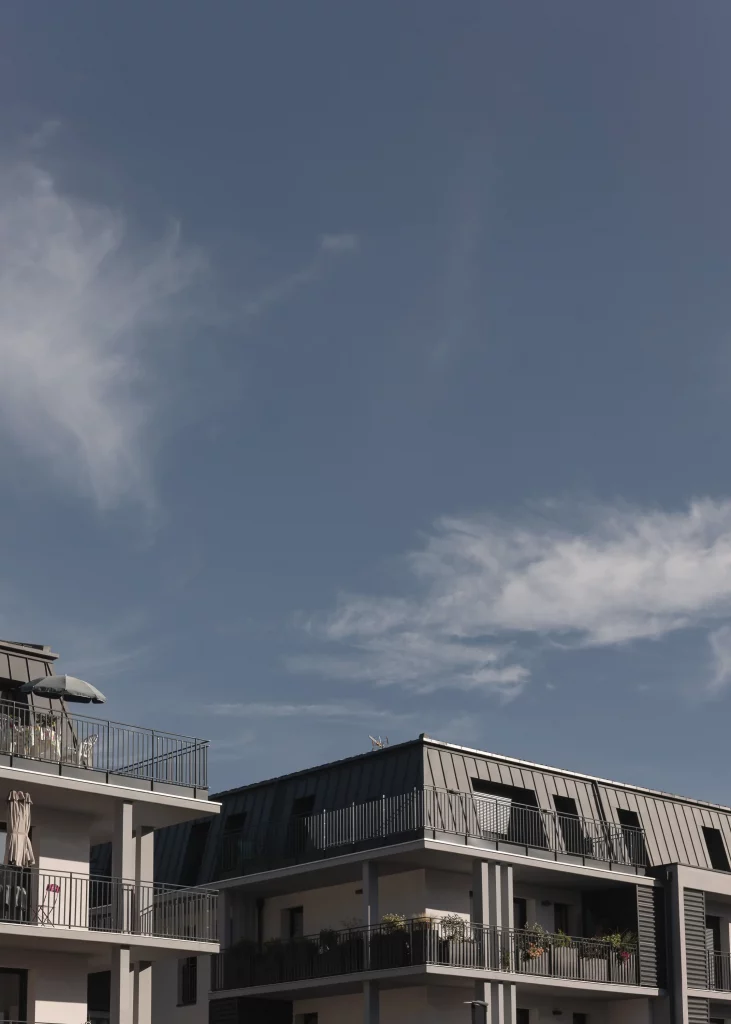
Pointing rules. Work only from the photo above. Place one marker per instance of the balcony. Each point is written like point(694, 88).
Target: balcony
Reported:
point(65, 900)
point(122, 753)
point(434, 813)
point(423, 942)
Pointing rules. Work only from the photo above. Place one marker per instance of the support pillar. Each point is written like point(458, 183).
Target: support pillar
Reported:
point(371, 1003)
point(123, 866)
point(142, 993)
point(144, 877)
point(501, 1001)
point(370, 893)
point(120, 1003)
point(370, 909)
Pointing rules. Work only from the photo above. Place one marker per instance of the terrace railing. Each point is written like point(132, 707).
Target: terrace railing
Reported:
point(66, 900)
point(60, 737)
point(421, 942)
point(719, 971)
point(433, 811)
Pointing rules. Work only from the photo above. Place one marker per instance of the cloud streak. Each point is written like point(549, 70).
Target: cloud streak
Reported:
point(483, 591)
point(77, 300)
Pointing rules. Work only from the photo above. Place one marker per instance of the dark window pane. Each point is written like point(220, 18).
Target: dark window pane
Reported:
point(716, 849)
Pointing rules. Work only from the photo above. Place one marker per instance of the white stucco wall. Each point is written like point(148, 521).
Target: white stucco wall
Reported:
point(56, 983)
point(340, 906)
point(165, 993)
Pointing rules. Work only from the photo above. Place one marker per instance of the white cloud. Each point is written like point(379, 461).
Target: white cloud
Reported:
point(344, 712)
point(339, 243)
point(615, 575)
point(76, 300)
point(720, 643)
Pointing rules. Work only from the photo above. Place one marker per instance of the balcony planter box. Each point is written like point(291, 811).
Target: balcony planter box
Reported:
point(390, 949)
point(565, 962)
point(539, 963)
point(624, 972)
point(426, 946)
point(352, 954)
point(595, 968)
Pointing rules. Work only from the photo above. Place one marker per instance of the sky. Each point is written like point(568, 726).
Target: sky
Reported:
point(365, 369)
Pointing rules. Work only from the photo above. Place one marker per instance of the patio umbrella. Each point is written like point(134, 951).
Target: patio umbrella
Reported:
point(18, 850)
point(66, 688)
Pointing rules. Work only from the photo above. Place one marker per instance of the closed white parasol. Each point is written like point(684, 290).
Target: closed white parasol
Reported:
point(18, 850)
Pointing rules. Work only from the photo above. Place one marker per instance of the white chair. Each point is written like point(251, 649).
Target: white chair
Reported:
point(85, 751)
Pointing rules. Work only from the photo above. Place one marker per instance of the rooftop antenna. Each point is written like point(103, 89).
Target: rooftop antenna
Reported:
point(377, 743)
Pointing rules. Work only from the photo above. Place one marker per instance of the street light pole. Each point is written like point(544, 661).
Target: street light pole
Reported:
point(479, 1011)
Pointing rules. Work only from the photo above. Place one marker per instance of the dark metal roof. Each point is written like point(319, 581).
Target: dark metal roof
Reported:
point(21, 662)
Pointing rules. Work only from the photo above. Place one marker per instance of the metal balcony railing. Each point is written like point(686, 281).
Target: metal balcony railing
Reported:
point(60, 737)
point(434, 811)
point(420, 942)
point(719, 971)
point(67, 900)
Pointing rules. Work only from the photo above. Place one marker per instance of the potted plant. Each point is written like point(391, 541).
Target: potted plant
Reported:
point(534, 944)
point(623, 962)
point(564, 956)
point(457, 946)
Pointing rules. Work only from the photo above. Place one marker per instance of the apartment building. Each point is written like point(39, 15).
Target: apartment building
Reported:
point(68, 783)
point(428, 882)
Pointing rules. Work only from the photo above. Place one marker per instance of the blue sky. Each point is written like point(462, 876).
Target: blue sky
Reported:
point(366, 369)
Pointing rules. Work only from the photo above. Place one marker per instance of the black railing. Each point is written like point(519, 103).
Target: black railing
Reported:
point(60, 899)
point(420, 942)
point(434, 811)
point(719, 971)
point(63, 738)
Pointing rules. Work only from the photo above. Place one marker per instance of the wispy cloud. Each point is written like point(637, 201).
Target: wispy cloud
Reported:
point(338, 712)
point(482, 587)
point(76, 301)
point(329, 248)
point(340, 243)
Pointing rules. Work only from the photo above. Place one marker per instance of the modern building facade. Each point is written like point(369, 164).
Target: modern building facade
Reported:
point(402, 885)
point(70, 936)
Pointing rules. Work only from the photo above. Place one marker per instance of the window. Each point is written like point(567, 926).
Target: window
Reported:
point(234, 822)
point(520, 912)
point(188, 981)
point(569, 822)
point(293, 920)
point(522, 1017)
point(302, 806)
point(634, 837)
point(512, 814)
point(581, 1018)
point(716, 849)
point(561, 918)
point(305, 1018)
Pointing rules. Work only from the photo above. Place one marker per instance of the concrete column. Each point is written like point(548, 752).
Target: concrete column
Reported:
point(506, 895)
point(120, 1005)
point(480, 895)
point(123, 866)
point(142, 993)
point(371, 1003)
point(370, 907)
point(500, 999)
point(370, 893)
point(677, 973)
point(144, 876)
